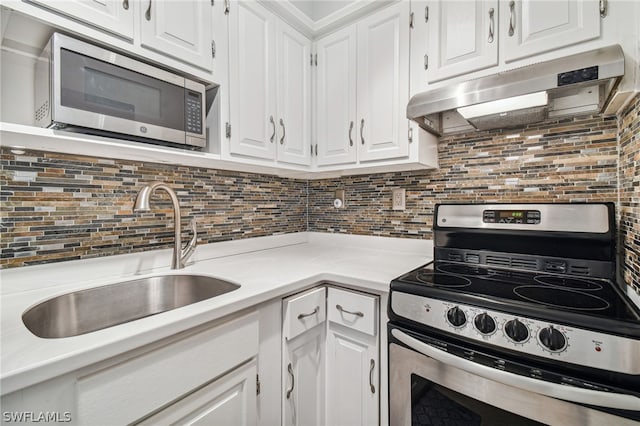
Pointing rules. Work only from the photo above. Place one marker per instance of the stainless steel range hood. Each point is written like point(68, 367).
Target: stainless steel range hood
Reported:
point(573, 85)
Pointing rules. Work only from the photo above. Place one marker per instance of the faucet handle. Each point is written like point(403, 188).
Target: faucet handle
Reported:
point(188, 250)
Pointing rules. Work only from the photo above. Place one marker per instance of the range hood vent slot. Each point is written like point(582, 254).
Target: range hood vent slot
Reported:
point(574, 85)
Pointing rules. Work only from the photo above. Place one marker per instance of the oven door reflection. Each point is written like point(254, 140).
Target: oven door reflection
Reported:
point(435, 405)
point(423, 391)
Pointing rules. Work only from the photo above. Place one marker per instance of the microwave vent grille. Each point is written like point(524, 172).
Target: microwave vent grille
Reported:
point(43, 111)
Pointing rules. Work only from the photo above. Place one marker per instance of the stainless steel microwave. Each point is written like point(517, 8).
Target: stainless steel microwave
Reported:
point(89, 89)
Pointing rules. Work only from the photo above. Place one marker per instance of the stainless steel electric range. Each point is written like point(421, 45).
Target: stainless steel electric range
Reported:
point(518, 321)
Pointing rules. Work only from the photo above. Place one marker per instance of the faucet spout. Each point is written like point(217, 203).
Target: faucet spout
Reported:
point(180, 256)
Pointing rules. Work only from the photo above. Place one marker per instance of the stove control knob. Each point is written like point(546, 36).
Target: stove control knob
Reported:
point(516, 330)
point(552, 339)
point(484, 323)
point(456, 317)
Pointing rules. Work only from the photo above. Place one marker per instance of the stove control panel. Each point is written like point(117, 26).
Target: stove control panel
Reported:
point(530, 217)
point(526, 335)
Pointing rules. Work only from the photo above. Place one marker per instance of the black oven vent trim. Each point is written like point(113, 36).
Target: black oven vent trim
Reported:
point(524, 262)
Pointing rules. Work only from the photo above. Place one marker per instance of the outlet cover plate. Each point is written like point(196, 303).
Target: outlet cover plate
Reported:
point(398, 199)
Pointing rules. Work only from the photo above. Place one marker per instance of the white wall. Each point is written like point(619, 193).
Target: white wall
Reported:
point(17, 73)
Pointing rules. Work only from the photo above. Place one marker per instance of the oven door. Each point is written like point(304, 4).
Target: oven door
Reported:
point(429, 386)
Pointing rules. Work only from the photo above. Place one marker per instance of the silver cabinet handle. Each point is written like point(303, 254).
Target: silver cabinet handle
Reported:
point(603, 8)
point(283, 132)
point(361, 130)
point(226, 7)
point(293, 378)
point(147, 14)
point(512, 18)
point(315, 311)
point(491, 23)
point(125, 4)
point(373, 365)
point(356, 313)
point(350, 130)
point(273, 123)
point(426, 14)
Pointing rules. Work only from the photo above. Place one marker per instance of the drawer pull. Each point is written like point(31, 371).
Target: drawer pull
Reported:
point(290, 370)
point(357, 313)
point(147, 14)
point(373, 365)
point(512, 18)
point(315, 311)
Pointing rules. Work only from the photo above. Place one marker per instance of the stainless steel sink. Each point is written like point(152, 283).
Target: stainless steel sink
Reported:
point(96, 308)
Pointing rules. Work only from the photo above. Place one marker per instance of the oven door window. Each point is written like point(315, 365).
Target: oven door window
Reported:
point(435, 405)
point(99, 87)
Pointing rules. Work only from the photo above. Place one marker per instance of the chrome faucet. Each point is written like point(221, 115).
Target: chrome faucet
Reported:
point(180, 255)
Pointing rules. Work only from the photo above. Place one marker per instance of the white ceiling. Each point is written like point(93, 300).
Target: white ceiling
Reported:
point(318, 9)
point(315, 18)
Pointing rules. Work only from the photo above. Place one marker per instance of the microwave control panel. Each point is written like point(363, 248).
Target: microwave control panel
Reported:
point(193, 113)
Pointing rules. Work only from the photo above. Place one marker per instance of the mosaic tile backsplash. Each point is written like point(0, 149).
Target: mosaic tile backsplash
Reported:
point(629, 209)
point(59, 207)
point(566, 160)
point(570, 160)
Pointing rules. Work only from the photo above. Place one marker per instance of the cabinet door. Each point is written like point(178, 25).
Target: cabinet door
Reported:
point(383, 84)
point(530, 27)
point(230, 400)
point(352, 358)
point(252, 83)
point(294, 96)
point(303, 378)
point(463, 37)
point(419, 47)
point(352, 375)
point(181, 29)
point(336, 98)
point(115, 16)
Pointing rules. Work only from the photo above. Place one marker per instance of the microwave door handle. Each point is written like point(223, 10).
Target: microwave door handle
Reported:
point(554, 390)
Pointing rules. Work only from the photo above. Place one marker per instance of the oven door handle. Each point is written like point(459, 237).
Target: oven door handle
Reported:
point(567, 393)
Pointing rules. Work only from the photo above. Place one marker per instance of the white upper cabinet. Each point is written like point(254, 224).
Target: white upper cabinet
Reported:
point(270, 86)
point(531, 27)
point(251, 80)
point(294, 96)
point(181, 29)
point(115, 16)
point(363, 89)
point(462, 37)
point(336, 98)
point(383, 84)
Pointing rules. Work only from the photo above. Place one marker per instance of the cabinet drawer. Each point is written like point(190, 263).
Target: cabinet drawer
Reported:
point(354, 310)
point(129, 390)
point(303, 312)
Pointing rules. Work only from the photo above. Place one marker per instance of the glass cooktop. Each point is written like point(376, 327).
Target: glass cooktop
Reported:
point(582, 295)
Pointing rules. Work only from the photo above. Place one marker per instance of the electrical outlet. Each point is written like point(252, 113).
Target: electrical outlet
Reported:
point(398, 197)
point(339, 200)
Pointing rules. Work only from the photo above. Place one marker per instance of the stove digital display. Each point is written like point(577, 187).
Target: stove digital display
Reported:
point(511, 213)
point(529, 217)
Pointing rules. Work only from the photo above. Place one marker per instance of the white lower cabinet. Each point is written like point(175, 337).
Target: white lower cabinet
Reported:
point(230, 400)
point(303, 354)
point(206, 375)
point(303, 360)
point(330, 370)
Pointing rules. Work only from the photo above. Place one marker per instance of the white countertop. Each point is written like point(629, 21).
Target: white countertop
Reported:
point(265, 267)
